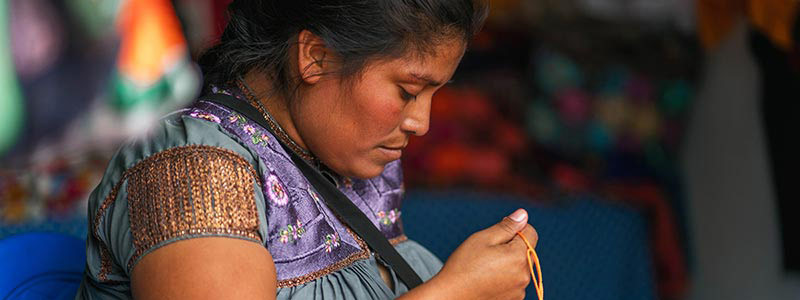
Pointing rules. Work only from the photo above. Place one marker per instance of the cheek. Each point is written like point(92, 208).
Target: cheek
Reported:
point(379, 113)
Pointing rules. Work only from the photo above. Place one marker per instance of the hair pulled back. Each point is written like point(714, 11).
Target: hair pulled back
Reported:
point(259, 33)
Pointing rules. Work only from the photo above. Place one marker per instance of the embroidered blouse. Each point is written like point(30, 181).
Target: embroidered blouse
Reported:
point(209, 171)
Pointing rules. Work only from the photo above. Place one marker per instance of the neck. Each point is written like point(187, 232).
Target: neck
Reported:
point(275, 104)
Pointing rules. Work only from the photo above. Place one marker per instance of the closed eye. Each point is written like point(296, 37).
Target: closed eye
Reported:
point(406, 95)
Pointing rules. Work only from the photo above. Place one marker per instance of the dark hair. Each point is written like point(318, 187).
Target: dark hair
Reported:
point(259, 33)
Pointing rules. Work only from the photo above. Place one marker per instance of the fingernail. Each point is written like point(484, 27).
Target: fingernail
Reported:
point(518, 215)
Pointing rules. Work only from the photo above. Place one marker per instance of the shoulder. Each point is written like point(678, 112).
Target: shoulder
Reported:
point(188, 128)
point(187, 178)
point(179, 146)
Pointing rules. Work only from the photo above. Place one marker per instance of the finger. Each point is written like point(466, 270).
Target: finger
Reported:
point(530, 234)
point(507, 228)
point(517, 244)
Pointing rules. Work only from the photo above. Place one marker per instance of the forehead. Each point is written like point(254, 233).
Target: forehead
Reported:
point(436, 65)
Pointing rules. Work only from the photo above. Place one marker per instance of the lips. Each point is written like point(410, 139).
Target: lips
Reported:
point(394, 147)
point(395, 144)
point(392, 153)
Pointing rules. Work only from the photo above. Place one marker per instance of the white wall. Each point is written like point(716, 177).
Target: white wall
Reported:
point(732, 212)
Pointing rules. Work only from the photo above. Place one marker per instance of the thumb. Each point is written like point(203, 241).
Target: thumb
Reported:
point(505, 231)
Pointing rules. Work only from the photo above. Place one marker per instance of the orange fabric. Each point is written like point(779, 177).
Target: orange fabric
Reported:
point(775, 18)
point(151, 39)
point(716, 18)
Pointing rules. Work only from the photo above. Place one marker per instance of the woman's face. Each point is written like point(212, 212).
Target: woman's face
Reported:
point(357, 127)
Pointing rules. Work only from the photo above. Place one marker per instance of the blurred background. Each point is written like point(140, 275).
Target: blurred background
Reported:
point(649, 139)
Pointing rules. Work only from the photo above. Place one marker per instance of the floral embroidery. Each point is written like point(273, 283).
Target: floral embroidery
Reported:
point(256, 136)
point(249, 129)
point(237, 118)
point(258, 139)
point(388, 218)
point(331, 241)
point(204, 116)
point(276, 191)
point(292, 233)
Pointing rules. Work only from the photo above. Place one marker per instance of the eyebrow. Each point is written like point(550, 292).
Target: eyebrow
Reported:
point(426, 78)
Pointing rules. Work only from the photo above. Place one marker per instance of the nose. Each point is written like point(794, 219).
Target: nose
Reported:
point(417, 116)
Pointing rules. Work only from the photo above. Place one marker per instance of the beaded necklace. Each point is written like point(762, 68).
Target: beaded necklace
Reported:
point(276, 128)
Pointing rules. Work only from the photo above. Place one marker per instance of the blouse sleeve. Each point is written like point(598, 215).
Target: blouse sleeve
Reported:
point(188, 180)
point(190, 191)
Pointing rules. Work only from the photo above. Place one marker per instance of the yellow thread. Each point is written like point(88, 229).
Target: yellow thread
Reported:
point(537, 280)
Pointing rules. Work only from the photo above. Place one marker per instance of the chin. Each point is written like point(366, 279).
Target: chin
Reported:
point(366, 171)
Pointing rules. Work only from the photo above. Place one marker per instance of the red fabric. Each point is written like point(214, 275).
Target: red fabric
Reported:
point(670, 263)
point(220, 8)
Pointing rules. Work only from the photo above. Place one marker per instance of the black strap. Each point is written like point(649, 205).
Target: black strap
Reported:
point(338, 202)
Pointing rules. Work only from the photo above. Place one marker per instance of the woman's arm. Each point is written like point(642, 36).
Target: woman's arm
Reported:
point(491, 264)
point(206, 268)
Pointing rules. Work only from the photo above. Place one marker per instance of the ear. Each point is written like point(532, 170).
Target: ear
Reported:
point(311, 57)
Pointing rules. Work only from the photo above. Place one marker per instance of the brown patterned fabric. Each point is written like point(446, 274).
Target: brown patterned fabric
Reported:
point(105, 256)
point(190, 190)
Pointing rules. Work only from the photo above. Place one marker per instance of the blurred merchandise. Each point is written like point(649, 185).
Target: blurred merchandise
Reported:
point(774, 18)
point(154, 72)
point(593, 103)
point(84, 66)
point(86, 76)
point(11, 107)
point(56, 190)
point(779, 69)
point(203, 21)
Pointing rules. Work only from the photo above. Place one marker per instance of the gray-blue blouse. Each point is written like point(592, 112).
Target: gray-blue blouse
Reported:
point(209, 171)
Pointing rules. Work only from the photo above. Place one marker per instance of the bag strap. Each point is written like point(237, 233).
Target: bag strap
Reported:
point(338, 202)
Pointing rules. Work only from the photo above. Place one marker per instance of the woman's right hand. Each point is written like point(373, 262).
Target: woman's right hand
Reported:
point(490, 264)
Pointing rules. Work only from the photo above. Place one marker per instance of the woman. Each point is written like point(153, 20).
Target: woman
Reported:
point(210, 206)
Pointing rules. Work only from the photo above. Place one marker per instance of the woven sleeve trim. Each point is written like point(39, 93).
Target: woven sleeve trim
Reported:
point(188, 191)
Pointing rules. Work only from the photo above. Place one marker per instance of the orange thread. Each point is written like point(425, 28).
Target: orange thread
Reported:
point(537, 280)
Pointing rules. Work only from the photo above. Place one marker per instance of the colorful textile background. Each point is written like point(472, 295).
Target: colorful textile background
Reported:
point(560, 99)
point(555, 100)
point(80, 77)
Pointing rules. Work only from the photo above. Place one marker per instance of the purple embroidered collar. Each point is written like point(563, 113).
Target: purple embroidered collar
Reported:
point(305, 239)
